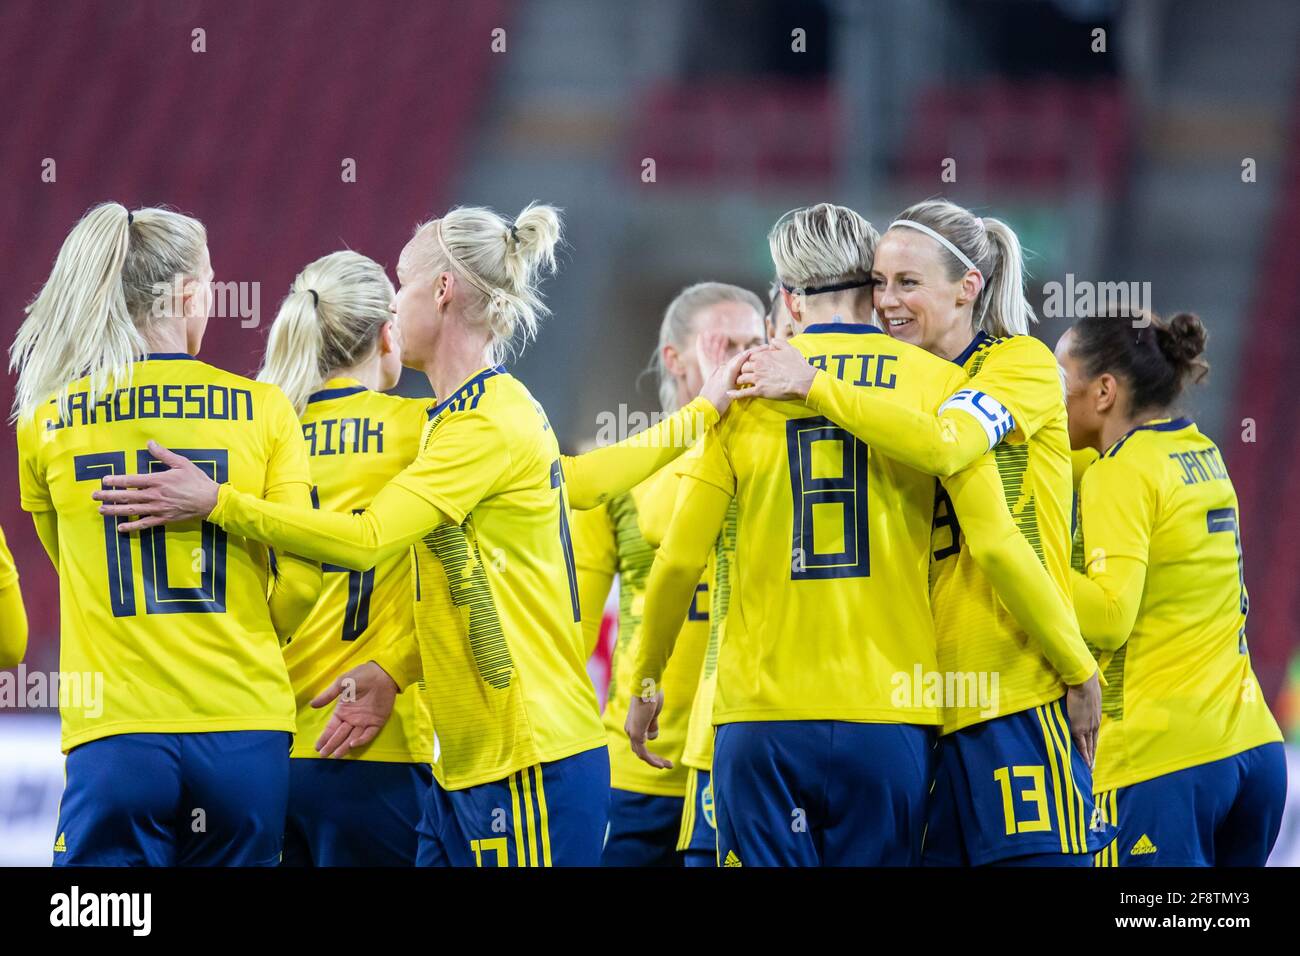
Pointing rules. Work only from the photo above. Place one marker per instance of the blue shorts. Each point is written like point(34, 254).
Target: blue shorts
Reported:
point(1011, 787)
point(549, 814)
point(698, 839)
point(193, 799)
point(1223, 813)
point(353, 812)
point(821, 792)
point(642, 830)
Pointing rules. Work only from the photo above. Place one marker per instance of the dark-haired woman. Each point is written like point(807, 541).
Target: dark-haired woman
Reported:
point(1189, 761)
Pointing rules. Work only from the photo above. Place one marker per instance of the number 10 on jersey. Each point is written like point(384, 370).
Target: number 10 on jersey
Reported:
point(209, 597)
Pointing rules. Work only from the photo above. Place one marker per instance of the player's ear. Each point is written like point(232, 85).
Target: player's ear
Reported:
point(387, 337)
point(1107, 392)
point(672, 360)
point(444, 287)
point(793, 304)
point(969, 288)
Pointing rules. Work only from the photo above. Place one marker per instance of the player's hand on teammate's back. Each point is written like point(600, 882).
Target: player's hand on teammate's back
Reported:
point(642, 725)
point(181, 493)
point(365, 695)
point(777, 371)
point(1083, 703)
point(717, 387)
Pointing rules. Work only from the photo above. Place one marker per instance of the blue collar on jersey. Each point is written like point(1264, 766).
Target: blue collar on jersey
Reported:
point(168, 356)
point(325, 394)
point(1173, 425)
point(850, 328)
point(478, 379)
point(980, 338)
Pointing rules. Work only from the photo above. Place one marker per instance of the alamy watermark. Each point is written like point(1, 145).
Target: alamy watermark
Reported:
point(620, 425)
point(68, 690)
point(230, 300)
point(1080, 298)
point(947, 689)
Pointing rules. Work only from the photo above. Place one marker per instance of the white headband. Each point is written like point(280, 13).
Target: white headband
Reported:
point(961, 256)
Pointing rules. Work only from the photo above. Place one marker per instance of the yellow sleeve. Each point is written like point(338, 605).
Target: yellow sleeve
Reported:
point(1021, 374)
point(710, 464)
point(595, 477)
point(936, 444)
point(8, 570)
point(13, 616)
point(297, 582)
point(394, 521)
point(47, 529)
point(33, 490)
point(1117, 506)
point(399, 656)
point(595, 557)
point(465, 459)
point(1020, 579)
point(13, 626)
point(698, 515)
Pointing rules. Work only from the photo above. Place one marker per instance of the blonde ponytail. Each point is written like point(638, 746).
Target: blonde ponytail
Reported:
point(501, 262)
point(331, 319)
point(1001, 308)
point(1005, 311)
point(92, 315)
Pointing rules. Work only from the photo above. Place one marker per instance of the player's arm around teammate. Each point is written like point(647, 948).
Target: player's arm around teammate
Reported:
point(486, 495)
point(953, 283)
point(954, 442)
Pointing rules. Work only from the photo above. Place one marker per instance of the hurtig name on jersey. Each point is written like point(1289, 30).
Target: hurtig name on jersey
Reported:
point(870, 369)
point(198, 401)
point(341, 436)
point(1200, 465)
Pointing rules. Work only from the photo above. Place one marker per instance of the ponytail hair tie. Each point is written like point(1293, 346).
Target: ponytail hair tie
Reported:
point(130, 217)
point(315, 299)
point(514, 234)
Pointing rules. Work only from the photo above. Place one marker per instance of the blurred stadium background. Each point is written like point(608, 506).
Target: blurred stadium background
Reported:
point(1122, 165)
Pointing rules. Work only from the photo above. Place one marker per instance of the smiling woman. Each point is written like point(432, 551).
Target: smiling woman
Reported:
point(945, 279)
point(486, 502)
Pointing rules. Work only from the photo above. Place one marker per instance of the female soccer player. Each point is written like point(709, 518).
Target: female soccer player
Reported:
point(1190, 763)
point(333, 350)
point(1010, 788)
point(826, 699)
point(520, 760)
point(13, 616)
point(183, 757)
point(704, 326)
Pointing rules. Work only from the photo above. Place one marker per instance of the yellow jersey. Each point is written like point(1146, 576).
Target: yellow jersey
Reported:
point(612, 540)
point(976, 633)
point(175, 618)
point(1180, 690)
point(8, 570)
point(496, 604)
point(357, 440)
point(698, 752)
point(13, 615)
point(828, 609)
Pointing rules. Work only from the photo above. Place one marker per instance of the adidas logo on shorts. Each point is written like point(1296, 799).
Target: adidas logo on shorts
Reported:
point(1143, 846)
